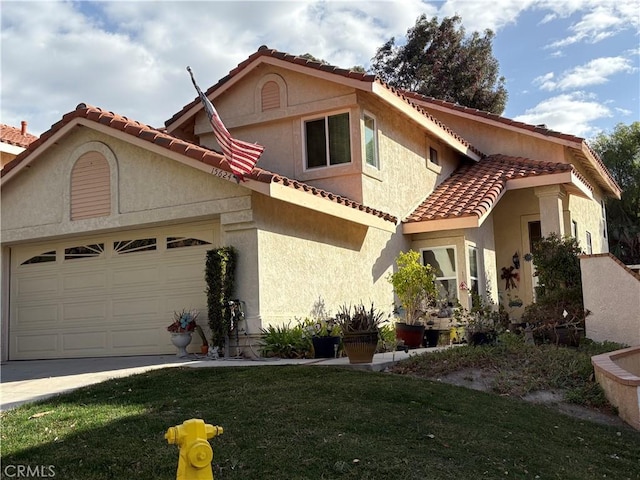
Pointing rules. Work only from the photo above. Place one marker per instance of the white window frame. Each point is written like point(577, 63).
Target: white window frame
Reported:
point(478, 268)
point(376, 160)
point(328, 156)
point(589, 243)
point(448, 278)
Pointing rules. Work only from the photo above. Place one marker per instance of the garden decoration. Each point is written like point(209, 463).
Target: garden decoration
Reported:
point(196, 453)
point(325, 337)
point(184, 324)
point(510, 277)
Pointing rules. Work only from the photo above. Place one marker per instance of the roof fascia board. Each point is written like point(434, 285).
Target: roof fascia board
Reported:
point(394, 100)
point(550, 179)
point(264, 59)
point(613, 188)
point(580, 145)
point(303, 199)
point(9, 148)
point(42, 148)
point(471, 221)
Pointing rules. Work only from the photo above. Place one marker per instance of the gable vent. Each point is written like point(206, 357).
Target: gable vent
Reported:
point(90, 187)
point(270, 96)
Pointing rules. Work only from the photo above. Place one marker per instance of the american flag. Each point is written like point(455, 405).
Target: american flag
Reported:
point(241, 156)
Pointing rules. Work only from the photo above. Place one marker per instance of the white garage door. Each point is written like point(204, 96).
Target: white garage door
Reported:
point(106, 295)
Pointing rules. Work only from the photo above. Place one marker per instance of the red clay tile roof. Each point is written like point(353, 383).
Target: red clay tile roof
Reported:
point(265, 51)
point(14, 136)
point(541, 129)
point(191, 150)
point(473, 189)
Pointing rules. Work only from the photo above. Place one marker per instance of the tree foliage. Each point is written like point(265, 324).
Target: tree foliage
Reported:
point(620, 152)
point(440, 61)
point(414, 284)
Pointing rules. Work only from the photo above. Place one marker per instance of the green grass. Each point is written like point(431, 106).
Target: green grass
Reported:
point(311, 422)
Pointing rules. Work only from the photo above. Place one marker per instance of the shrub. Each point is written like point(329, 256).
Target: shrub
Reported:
point(285, 341)
point(414, 284)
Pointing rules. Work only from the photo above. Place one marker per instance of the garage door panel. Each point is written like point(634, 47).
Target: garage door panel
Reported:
point(138, 338)
point(37, 285)
point(75, 282)
point(36, 346)
point(136, 305)
point(127, 276)
point(37, 316)
point(83, 314)
point(84, 341)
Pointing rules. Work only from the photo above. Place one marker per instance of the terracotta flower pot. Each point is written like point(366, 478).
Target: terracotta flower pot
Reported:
point(360, 346)
point(411, 335)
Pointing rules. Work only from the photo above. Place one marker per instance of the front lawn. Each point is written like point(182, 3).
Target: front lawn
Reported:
point(311, 422)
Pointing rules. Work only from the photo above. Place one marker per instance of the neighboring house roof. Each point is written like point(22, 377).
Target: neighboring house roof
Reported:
point(466, 197)
point(263, 181)
point(18, 137)
point(358, 80)
point(578, 146)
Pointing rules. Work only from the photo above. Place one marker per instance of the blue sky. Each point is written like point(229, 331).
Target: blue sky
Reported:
point(570, 64)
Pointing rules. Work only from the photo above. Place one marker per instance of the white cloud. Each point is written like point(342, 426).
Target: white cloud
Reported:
point(568, 113)
point(595, 72)
point(600, 19)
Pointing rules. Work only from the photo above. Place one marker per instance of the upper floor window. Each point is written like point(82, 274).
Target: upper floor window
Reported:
point(433, 156)
point(370, 141)
point(589, 244)
point(327, 141)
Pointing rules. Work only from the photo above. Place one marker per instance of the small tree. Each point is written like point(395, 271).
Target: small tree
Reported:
point(414, 284)
point(559, 291)
point(220, 278)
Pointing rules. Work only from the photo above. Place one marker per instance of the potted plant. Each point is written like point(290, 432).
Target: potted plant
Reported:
point(184, 324)
point(325, 337)
point(360, 329)
point(414, 285)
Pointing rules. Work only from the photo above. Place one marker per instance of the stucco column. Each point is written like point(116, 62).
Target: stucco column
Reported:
point(240, 231)
point(551, 211)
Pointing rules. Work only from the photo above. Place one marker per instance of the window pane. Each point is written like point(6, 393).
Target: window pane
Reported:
point(42, 258)
point(180, 242)
point(316, 144)
point(473, 263)
point(131, 246)
point(84, 251)
point(442, 260)
point(370, 141)
point(339, 142)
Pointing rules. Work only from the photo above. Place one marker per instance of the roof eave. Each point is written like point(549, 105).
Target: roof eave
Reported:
point(396, 101)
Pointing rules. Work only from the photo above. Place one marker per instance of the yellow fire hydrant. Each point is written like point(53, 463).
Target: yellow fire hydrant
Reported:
point(195, 452)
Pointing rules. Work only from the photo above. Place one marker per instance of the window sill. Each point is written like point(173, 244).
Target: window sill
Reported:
point(433, 167)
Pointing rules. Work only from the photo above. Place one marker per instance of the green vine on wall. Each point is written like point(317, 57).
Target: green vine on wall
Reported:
point(220, 278)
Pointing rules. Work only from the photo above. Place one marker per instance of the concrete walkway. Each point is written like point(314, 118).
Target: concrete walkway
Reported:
point(27, 381)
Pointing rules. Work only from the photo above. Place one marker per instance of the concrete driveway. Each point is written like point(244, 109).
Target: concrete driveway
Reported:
point(27, 381)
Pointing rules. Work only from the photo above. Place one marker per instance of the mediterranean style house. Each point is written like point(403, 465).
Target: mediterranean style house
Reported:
point(106, 222)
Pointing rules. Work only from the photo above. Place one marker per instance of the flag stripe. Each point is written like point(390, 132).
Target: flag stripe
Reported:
point(241, 156)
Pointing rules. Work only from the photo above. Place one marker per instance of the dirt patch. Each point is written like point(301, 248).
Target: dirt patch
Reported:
point(482, 380)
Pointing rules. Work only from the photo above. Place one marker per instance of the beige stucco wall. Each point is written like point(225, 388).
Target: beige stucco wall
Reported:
point(612, 294)
point(403, 179)
point(146, 189)
point(308, 255)
point(490, 139)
